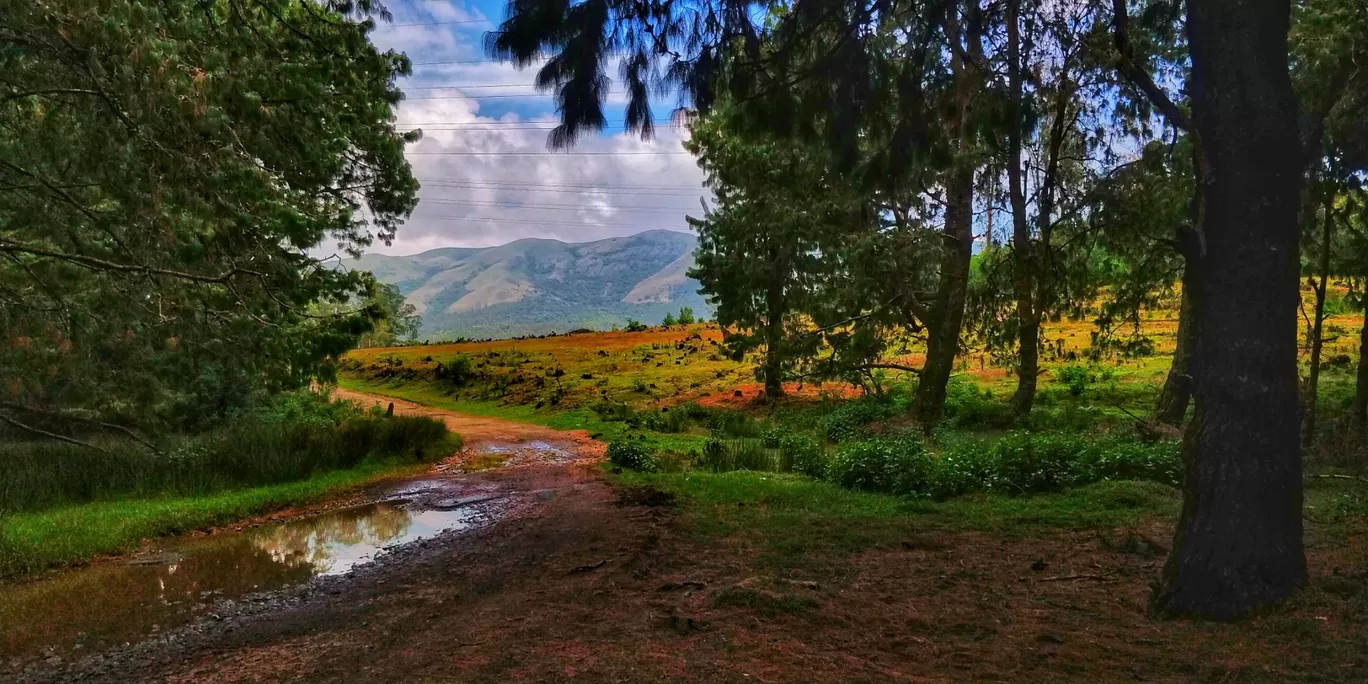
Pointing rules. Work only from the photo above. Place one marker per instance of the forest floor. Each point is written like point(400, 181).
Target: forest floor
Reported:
point(753, 577)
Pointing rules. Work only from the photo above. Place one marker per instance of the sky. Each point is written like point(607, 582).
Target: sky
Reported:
point(488, 177)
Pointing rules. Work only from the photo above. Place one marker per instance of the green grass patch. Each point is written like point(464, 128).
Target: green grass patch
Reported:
point(31, 542)
point(799, 522)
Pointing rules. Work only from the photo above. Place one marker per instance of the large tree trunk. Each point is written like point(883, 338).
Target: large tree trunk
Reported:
point(1318, 326)
point(1238, 545)
point(1177, 391)
point(947, 315)
point(1359, 410)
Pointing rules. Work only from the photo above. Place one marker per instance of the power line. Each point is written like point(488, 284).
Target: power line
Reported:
point(515, 205)
point(555, 185)
point(438, 23)
point(511, 123)
point(552, 154)
point(491, 97)
point(483, 219)
point(685, 194)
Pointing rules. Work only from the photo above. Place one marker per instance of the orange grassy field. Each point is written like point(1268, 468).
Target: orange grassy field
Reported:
point(666, 366)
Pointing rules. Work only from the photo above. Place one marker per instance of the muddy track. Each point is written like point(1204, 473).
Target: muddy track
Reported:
point(414, 586)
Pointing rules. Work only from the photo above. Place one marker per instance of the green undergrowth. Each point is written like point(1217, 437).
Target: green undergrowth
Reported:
point(292, 439)
point(31, 542)
point(797, 521)
point(61, 503)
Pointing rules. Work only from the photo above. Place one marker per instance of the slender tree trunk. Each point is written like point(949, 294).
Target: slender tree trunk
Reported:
point(1238, 544)
point(1024, 266)
point(1177, 391)
point(1318, 326)
point(1359, 410)
point(774, 328)
point(947, 316)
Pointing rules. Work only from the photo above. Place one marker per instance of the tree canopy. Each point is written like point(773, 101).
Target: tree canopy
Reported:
point(170, 174)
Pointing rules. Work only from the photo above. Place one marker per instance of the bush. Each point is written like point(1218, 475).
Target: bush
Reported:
point(1076, 377)
point(899, 465)
point(848, 420)
point(635, 326)
point(252, 451)
point(686, 316)
point(633, 452)
point(612, 411)
point(805, 455)
point(456, 372)
point(1041, 462)
point(725, 455)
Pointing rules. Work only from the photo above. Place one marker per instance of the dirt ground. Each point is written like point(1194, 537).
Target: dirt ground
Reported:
point(597, 583)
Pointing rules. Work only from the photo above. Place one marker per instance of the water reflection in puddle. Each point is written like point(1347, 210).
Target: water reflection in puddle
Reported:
point(114, 603)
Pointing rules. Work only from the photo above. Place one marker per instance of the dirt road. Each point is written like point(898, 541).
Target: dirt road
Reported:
point(474, 430)
point(580, 580)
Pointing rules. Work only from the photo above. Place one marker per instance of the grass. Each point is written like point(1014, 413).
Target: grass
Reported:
point(796, 519)
point(31, 542)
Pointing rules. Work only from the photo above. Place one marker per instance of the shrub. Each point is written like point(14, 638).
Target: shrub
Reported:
point(848, 420)
point(635, 326)
point(1076, 377)
point(613, 411)
point(686, 316)
point(1040, 462)
point(725, 455)
point(633, 452)
point(456, 372)
point(967, 406)
point(899, 465)
point(251, 451)
point(804, 455)
point(1128, 460)
point(733, 424)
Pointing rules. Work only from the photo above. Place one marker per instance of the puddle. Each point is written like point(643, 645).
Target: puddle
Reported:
point(526, 453)
point(113, 603)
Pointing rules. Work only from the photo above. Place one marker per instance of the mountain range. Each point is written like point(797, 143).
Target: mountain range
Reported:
point(536, 286)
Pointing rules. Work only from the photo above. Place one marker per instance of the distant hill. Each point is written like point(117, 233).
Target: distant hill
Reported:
point(535, 286)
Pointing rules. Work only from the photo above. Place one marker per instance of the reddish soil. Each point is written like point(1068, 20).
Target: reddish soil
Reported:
point(600, 584)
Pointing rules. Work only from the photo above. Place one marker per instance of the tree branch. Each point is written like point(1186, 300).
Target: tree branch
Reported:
point(1129, 68)
point(49, 435)
point(103, 265)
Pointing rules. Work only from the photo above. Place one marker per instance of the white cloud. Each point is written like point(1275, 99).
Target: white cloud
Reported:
point(489, 199)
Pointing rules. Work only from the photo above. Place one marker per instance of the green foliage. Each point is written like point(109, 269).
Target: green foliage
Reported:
point(668, 321)
point(848, 420)
point(293, 439)
point(686, 316)
point(455, 372)
point(1076, 377)
point(169, 170)
point(893, 465)
point(636, 326)
point(632, 451)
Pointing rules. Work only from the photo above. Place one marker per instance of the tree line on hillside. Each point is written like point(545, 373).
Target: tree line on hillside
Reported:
point(1111, 151)
point(169, 173)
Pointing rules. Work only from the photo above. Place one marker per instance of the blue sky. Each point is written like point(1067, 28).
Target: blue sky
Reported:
point(488, 177)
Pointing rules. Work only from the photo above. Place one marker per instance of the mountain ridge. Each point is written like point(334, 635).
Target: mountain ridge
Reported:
point(534, 286)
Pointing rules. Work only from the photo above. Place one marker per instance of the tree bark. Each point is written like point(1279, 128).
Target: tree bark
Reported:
point(947, 315)
point(774, 327)
point(1359, 410)
point(1177, 391)
point(1318, 325)
point(1023, 267)
point(1238, 544)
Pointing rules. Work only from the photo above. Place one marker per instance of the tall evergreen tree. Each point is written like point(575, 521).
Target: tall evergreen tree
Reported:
point(165, 171)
